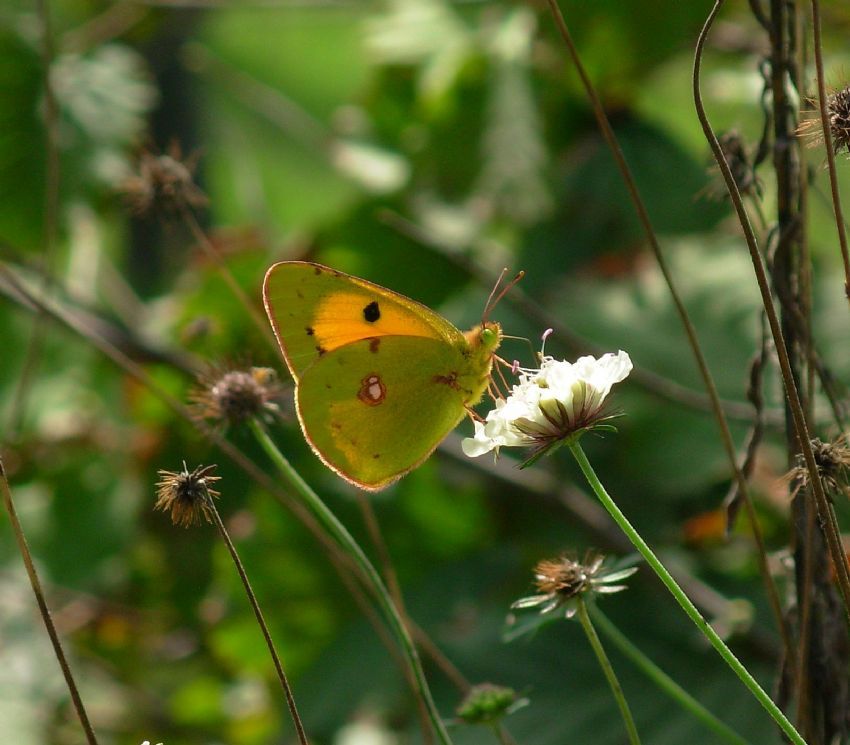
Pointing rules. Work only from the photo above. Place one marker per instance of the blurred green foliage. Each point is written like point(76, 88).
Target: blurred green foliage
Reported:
point(404, 141)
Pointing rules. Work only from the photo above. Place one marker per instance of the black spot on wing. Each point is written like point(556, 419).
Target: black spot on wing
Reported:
point(320, 349)
point(310, 331)
point(372, 312)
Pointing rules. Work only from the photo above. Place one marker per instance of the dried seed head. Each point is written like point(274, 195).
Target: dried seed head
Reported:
point(838, 114)
point(186, 494)
point(234, 396)
point(565, 577)
point(163, 183)
point(561, 581)
point(838, 108)
point(833, 461)
point(487, 703)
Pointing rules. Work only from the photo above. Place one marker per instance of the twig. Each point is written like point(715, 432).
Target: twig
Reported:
point(212, 253)
point(35, 583)
point(827, 140)
point(258, 614)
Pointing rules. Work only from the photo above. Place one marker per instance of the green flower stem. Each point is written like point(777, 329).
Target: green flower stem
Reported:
point(338, 531)
point(605, 664)
point(683, 600)
point(662, 680)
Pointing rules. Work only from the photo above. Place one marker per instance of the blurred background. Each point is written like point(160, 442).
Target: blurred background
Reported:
point(424, 145)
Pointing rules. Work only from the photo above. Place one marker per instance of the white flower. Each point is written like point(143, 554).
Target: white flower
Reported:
point(549, 405)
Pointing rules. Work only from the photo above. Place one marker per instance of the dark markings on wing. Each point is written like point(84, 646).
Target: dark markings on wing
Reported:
point(310, 330)
point(372, 312)
point(450, 380)
point(320, 349)
point(374, 343)
point(372, 390)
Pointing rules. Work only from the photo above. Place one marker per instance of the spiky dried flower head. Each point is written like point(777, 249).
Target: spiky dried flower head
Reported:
point(838, 115)
point(832, 460)
point(163, 183)
point(186, 494)
point(231, 397)
point(838, 109)
point(487, 703)
point(563, 580)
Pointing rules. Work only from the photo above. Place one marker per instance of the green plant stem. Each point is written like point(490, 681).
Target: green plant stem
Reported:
point(608, 669)
point(662, 680)
point(341, 535)
point(683, 600)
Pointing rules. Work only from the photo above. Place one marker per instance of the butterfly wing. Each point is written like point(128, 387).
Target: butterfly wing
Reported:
point(315, 310)
point(376, 408)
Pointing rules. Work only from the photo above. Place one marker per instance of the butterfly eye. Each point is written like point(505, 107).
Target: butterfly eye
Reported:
point(489, 336)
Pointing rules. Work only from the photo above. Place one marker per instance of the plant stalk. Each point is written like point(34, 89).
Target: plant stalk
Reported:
point(608, 669)
point(345, 540)
point(690, 609)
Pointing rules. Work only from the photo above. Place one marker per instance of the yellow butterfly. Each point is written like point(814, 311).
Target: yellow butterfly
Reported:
point(380, 379)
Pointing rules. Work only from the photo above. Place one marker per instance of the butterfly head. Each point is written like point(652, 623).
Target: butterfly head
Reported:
point(484, 339)
point(489, 336)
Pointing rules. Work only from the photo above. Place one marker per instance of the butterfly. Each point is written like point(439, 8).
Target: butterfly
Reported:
point(380, 379)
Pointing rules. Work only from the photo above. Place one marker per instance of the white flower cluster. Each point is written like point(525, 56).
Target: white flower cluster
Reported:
point(549, 404)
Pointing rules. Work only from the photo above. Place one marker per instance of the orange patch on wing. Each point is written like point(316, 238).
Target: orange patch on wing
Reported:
point(341, 318)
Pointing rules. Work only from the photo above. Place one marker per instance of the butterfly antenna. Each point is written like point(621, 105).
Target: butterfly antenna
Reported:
point(494, 298)
point(501, 374)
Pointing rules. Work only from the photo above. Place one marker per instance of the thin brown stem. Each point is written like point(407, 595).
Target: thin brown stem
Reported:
point(801, 681)
point(693, 341)
point(213, 254)
point(827, 141)
point(35, 583)
point(114, 21)
point(258, 614)
point(792, 395)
